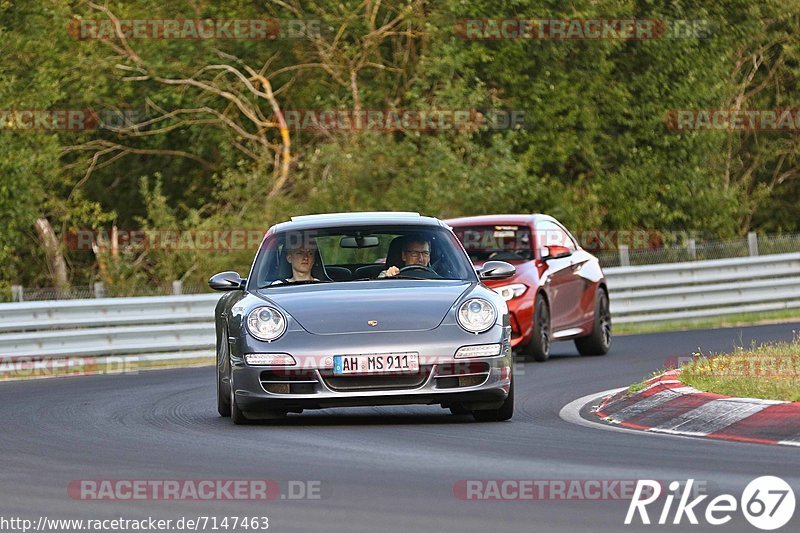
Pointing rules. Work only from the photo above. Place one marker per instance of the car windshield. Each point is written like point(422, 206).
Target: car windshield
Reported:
point(496, 242)
point(360, 254)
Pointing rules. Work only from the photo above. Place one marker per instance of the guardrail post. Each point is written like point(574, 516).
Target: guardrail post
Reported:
point(624, 258)
point(692, 248)
point(99, 289)
point(752, 243)
point(177, 287)
point(17, 293)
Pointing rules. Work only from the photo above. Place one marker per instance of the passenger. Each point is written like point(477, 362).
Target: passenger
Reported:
point(302, 259)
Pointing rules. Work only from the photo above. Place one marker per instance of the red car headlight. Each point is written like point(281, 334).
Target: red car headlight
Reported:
point(509, 292)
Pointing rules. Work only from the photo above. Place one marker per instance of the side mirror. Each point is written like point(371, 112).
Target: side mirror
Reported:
point(554, 252)
point(226, 281)
point(496, 270)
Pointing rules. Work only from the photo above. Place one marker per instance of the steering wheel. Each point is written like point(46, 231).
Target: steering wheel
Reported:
point(420, 269)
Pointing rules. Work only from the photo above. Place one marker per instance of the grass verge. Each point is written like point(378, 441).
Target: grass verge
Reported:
point(768, 371)
point(730, 321)
point(88, 366)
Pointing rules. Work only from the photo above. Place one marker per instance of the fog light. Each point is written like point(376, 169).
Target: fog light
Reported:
point(478, 350)
point(269, 359)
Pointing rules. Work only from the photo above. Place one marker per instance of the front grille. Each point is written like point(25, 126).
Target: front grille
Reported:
point(378, 382)
point(289, 381)
point(466, 374)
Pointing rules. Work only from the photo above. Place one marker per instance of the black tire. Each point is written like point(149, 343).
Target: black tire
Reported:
point(223, 400)
point(599, 341)
point(223, 403)
point(538, 348)
point(504, 412)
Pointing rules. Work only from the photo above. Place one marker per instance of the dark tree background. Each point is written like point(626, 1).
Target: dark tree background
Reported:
point(192, 140)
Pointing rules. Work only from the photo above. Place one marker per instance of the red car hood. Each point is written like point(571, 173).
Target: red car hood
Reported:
point(523, 268)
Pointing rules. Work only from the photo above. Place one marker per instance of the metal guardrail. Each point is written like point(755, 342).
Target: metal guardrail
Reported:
point(703, 289)
point(64, 314)
point(176, 327)
point(160, 328)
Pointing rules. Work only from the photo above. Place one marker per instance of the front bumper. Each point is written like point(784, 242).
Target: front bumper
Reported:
point(474, 383)
point(483, 397)
point(520, 312)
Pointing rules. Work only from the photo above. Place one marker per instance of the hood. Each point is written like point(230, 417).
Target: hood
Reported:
point(397, 305)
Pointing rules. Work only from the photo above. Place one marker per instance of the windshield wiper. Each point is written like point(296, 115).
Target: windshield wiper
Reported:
point(403, 276)
point(301, 282)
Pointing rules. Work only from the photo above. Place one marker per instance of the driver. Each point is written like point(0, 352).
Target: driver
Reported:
point(302, 259)
point(416, 251)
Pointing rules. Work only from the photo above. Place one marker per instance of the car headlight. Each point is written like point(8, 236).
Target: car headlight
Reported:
point(476, 315)
point(266, 323)
point(509, 292)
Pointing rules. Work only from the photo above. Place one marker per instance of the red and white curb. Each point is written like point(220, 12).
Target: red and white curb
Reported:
point(666, 405)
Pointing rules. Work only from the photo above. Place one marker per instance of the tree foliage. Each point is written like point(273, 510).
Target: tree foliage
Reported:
point(192, 138)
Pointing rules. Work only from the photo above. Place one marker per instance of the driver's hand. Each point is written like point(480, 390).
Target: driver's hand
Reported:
point(392, 271)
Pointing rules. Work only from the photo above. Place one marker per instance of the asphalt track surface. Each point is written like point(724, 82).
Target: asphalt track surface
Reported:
point(381, 469)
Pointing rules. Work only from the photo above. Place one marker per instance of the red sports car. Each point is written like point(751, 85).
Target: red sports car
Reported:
point(558, 292)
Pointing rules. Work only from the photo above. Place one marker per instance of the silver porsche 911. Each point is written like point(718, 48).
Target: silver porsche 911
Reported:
point(361, 309)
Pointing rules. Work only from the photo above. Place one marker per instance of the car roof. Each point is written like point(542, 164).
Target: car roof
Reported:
point(376, 218)
point(487, 220)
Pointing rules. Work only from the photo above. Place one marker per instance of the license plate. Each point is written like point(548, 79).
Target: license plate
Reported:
point(382, 363)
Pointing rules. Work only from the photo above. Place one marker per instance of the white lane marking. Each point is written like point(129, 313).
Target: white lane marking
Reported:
point(790, 442)
point(650, 402)
point(709, 418)
point(571, 413)
point(656, 384)
point(714, 416)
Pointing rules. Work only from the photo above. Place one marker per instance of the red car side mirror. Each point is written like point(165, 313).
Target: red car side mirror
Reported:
point(555, 252)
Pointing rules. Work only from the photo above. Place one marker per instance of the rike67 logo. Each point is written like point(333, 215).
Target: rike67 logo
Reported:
point(767, 502)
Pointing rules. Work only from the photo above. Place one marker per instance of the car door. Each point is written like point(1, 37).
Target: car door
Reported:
point(563, 283)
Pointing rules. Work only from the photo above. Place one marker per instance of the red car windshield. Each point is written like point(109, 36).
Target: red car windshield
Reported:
point(496, 242)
